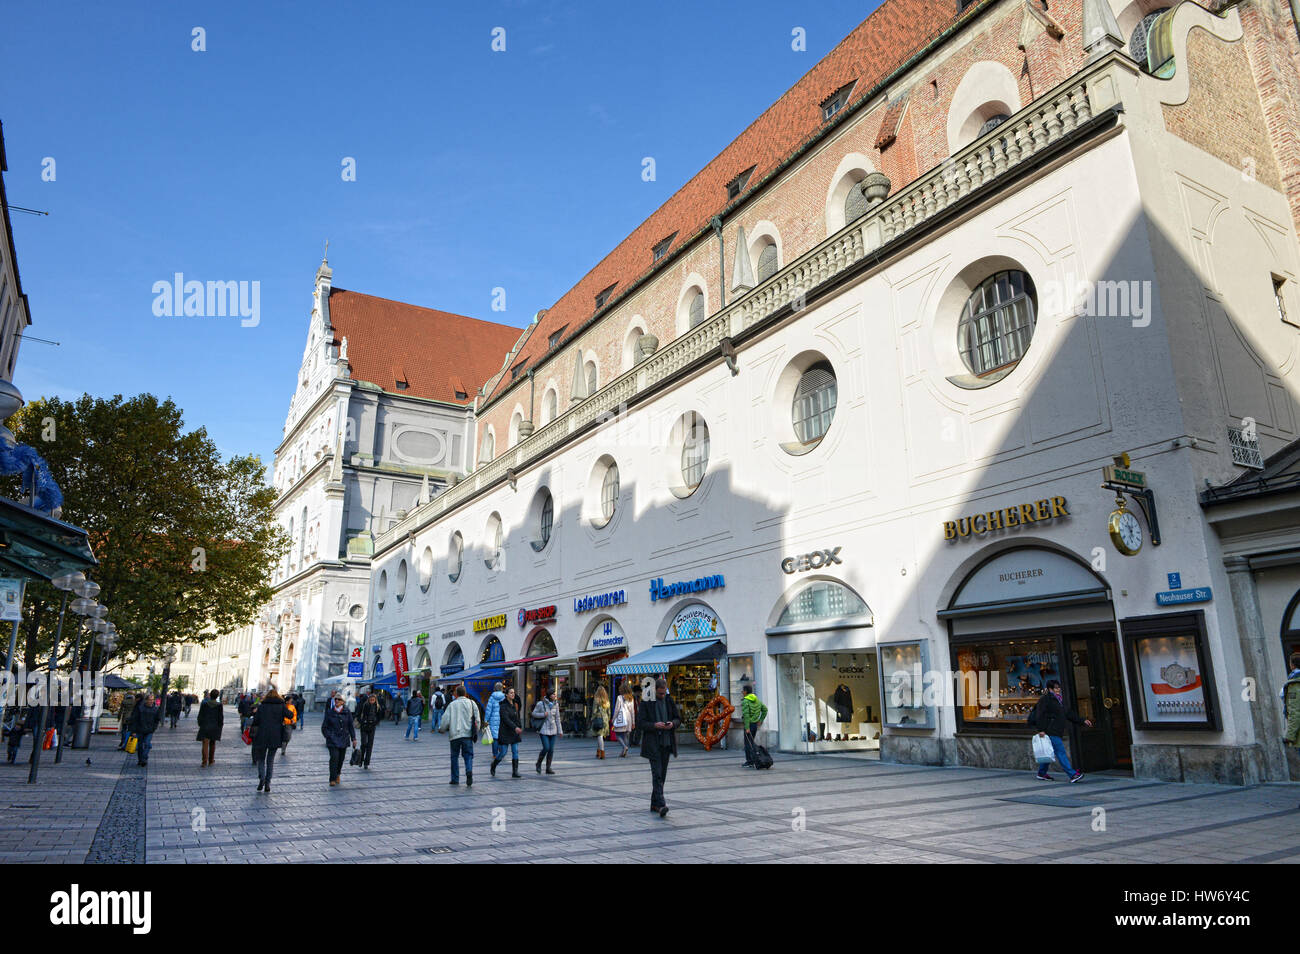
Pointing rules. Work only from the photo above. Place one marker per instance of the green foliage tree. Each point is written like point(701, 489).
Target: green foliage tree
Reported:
point(186, 541)
point(180, 683)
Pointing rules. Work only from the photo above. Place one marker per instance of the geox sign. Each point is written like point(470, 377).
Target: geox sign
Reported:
point(811, 561)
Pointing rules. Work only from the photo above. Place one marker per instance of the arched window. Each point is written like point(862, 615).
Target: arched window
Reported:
point(696, 310)
point(456, 559)
point(814, 403)
point(545, 511)
point(591, 378)
point(767, 263)
point(992, 123)
point(302, 538)
point(488, 450)
point(426, 569)
point(549, 405)
point(997, 322)
point(822, 600)
point(496, 539)
point(855, 204)
point(609, 493)
point(1138, 41)
point(695, 454)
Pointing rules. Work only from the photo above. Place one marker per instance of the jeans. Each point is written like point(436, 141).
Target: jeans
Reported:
point(142, 746)
point(502, 747)
point(264, 759)
point(336, 761)
point(1058, 749)
point(413, 725)
point(367, 744)
point(462, 747)
point(435, 719)
point(658, 772)
point(548, 744)
point(751, 741)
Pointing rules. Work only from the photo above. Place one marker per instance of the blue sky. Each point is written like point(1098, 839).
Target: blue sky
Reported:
point(474, 169)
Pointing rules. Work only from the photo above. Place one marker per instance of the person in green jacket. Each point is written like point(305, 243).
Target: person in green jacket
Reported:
point(752, 714)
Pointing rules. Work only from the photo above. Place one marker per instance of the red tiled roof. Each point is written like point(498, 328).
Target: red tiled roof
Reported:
point(889, 125)
point(879, 45)
point(435, 352)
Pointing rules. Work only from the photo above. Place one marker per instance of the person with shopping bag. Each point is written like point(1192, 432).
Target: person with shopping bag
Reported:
point(509, 731)
point(625, 716)
point(600, 720)
point(1049, 717)
point(338, 729)
point(145, 719)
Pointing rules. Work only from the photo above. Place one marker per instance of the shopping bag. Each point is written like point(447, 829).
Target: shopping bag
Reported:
point(356, 757)
point(486, 737)
point(247, 737)
point(131, 743)
point(51, 737)
point(1042, 748)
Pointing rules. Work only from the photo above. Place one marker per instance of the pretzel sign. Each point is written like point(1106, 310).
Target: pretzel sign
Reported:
point(713, 721)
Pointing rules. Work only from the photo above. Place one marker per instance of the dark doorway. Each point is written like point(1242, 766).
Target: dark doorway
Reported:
point(1093, 664)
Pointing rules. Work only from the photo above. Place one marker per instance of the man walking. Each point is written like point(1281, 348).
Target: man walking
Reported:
point(435, 714)
point(414, 713)
point(1049, 717)
point(367, 721)
point(752, 714)
point(145, 718)
point(659, 719)
point(124, 717)
point(460, 722)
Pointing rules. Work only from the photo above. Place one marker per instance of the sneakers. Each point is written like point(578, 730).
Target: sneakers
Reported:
point(1042, 776)
point(663, 811)
point(1075, 777)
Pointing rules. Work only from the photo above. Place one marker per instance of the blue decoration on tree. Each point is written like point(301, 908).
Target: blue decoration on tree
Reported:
point(23, 459)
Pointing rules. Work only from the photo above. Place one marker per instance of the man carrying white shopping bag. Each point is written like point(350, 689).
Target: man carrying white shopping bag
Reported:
point(1049, 718)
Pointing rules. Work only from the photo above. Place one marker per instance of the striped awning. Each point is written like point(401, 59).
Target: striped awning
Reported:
point(657, 659)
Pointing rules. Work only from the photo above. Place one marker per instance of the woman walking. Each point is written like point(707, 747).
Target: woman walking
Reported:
point(492, 716)
point(625, 716)
point(508, 734)
point(211, 718)
point(338, 729)
point(548, 712)
point(600, 720)
point(290, 717)
point(268, 734)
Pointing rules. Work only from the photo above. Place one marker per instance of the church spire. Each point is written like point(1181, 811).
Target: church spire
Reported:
point(1100, 30)
point(325, 274)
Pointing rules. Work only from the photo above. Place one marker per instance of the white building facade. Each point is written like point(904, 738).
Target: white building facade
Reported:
point(869, 445)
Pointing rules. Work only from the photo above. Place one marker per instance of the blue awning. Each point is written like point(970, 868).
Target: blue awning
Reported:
point(658, 658)
point(482, 671)
point(386, 681)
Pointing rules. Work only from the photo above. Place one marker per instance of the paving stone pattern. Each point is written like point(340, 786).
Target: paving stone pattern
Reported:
point(818, 809)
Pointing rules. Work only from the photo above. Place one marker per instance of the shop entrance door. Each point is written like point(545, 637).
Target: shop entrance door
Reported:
point(1098, 690)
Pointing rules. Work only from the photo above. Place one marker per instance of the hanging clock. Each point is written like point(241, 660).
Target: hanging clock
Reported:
point(1125, 529)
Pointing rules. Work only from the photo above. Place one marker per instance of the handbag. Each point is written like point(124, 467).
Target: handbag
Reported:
point(356, 757)
point(539, 710)
point(51, 740)
point(131, 744)
point(1043, 748)
point(247, 736)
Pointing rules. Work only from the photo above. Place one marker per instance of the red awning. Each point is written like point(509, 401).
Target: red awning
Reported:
point(526, 660)
point(600, 662)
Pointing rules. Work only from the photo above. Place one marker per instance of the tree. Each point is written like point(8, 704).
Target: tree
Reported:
point(186, 541)
point(180, 683)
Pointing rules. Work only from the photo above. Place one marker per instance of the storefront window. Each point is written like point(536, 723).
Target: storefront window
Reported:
point(902, 673)
point(693, 687)
point(1170, 672)
point(820, 600)
point(1002, 680)
point(829, 701)
point(741, 672)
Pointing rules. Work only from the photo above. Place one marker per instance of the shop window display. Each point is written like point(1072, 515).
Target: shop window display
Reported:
point(829, 701)
point(902, 672)
point(693, 687)
point(1022, 668)
point(1170, 670)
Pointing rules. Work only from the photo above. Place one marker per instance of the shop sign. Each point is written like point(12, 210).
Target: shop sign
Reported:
point(1026, 574)
point(1040, 511)
point(659, 591)
point(1122, 475)
point(453, 634)
point(600, 601)
point(400, 665)
point(610, 637)
point(421, 639)
point(1198, 594)
point(811, 561)
point(696, 621)
point(539, 615)
point(489, 622)
point(11, 599)
point(356, 670)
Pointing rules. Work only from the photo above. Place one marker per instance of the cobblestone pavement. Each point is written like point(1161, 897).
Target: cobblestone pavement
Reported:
point(807, 808)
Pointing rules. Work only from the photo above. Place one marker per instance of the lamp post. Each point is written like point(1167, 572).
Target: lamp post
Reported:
point(65, 583)
point(84, 607)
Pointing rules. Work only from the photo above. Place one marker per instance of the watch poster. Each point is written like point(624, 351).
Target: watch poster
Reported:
point(1172, 686)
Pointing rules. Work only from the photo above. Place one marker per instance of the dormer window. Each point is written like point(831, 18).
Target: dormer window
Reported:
point(554, 341)
point(737, 185)
point(837, 101)
point(462, 396)
point(402, 385)
point(661, 249)
point(517, 370)
point(604, 296)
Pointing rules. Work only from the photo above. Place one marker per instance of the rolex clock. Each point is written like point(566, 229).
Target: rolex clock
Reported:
point(1125, 530)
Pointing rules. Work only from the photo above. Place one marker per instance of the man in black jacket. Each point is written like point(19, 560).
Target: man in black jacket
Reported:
point(1049, 717)
point(367, 721)
point(659, 719)
point(145, 718)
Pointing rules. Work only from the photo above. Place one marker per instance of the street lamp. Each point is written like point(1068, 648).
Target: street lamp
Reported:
point(65, 583)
